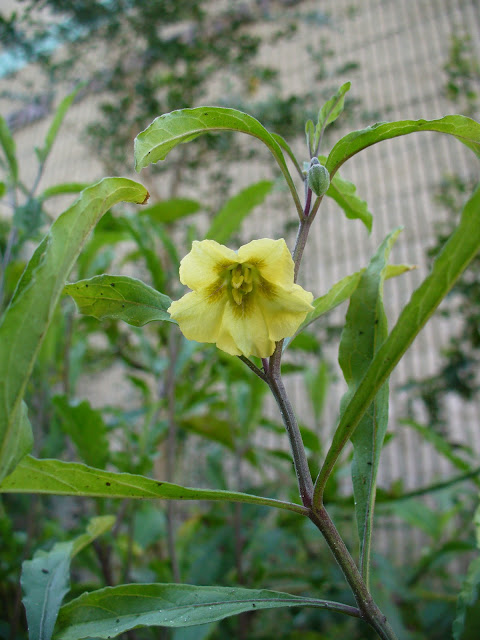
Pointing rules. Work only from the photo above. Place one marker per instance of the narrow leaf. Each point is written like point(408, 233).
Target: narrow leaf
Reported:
point(172, 129)
point(26, 320)
point(8, 145)
point(467, 621)
point(119, 298)
point(457, 253)
point(330, 112)
point(310, 134)
point(235, 210)
point(45, 579)
point(170, 210)
point(60, 113)
point(108, 612)
point(86, 428)
point(344, 194)
point(365, 330)
point(464, 129)
point(73, 479)
point(62, 189)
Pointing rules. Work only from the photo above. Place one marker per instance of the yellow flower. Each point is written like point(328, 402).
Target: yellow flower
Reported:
point(243, 301)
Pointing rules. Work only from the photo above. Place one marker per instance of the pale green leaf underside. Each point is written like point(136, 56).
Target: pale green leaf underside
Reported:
point(24, 323)
point(73, 479)
point(119, 298)
point(464, 129)
point(457, 253)
point(108, 612)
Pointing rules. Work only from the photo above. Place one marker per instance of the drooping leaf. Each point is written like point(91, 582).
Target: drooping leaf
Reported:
point(45, 579)
point(464, 129)
point(467, 621)
point(119, 298)
point(170, 210)
point(236, 209)
point(26, 320)
point(108, 612)
point(8, 145)
point(60, 113)
point(364, 332)
point(73, 479)
point(330, 112)
point(86, 428)
point(171, 129)
point(344, 194)
point(286, 147)
point(450, 263)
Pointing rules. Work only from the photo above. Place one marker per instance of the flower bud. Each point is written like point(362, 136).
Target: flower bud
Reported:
point(318, 178)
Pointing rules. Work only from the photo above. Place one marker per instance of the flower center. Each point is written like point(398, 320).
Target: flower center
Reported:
point(241, 280)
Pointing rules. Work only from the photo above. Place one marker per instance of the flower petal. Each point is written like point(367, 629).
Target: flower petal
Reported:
point(205, 263)
point(285, 310)
point(199, 318)
point(272, 258)
point(249, 332)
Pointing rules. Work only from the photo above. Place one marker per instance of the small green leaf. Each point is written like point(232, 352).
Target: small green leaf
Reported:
point(60, 113)
point(344, 194)
point(233, 212)
point(330, 112)
point(62, 189)
point(108, 612)
point(170, 210)
point(8, 145)
point(45, 579)
point(467, 622)
point(28, 316)
point(183, 125)
point(86, 428)
point(119, 298)
point(464, 129)
point(73, 479)
point(310, 134)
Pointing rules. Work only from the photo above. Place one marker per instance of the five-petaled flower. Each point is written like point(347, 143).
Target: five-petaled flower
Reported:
point(242, 301)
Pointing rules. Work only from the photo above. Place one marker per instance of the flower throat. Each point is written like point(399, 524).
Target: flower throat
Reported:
point(241, 279)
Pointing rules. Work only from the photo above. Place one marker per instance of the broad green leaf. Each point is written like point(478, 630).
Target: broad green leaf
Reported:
point(171, 129)
point(60, 113)
point(73, 479)
point(342, 291)
point(344, 194)
point(365, 330)
point(62, 189)
point(108, 612)
point(26, 320)
point(45, 579)
point(451, 262)
point(330, 112)
point(120, 298)
point(8, 145)
point(233, 212)
point(86, 428)
point(464, 129)
point(170, 210)
point(467, 621)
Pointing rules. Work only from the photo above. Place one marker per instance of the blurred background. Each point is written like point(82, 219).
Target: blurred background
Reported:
point(278, 60)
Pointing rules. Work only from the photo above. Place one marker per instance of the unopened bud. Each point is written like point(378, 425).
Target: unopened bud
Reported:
point(318, 177)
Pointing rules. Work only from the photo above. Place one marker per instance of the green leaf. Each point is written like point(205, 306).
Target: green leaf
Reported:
point(467, 621)
point(45, 579)
point(318, 382)
point(170, 210)
point(285, 146)
point(8, 145)
point(119, 298)
point(451, 262)
point(108, 612)
point(233, 212)
point(330, 112)
point(342, 291)
point(364, 332)
point(62, 189)
point(3, 189)
point(86, 428)
point(344, 194)
point(310, 134)
point(60, 113)
point(26, 320)
point(209, 427)
point(171, 129)
point(464, 129)
point(73, 479)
